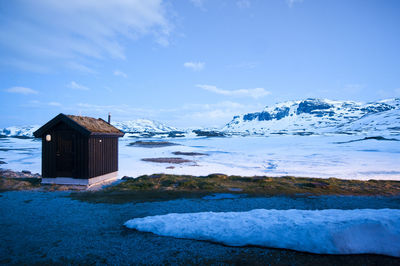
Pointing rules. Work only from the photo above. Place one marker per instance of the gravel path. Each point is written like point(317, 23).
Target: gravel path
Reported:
point(49, 227)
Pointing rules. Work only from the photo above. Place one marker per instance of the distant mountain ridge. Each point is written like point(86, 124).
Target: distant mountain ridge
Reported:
point(319, 116)
point(140, 126)
point(21, 132)
point(143, 125)
point(304, 117)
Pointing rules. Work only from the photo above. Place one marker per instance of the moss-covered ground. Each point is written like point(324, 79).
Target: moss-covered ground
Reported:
point(166, 187)
point(10, 184)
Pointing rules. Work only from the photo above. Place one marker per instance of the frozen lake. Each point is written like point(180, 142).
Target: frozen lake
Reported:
point(348, 157)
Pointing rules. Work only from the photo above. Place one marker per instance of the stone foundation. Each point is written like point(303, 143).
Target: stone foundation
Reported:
point(81, 182)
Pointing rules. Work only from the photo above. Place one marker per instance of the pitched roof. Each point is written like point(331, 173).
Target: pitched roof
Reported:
point(84, 124)
point(95, 125)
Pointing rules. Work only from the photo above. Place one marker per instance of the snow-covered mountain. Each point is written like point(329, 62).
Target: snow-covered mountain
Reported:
point(22, 131)
point(306, 117)
point(143, 125)
point(319, 116)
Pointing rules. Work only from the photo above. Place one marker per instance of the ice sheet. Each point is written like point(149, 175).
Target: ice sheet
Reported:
point(310, 156)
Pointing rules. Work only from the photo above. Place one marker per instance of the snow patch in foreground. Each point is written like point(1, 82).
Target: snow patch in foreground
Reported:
point(317, 231)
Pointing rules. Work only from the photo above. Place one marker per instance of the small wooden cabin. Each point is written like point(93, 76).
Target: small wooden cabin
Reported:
point(78, 150)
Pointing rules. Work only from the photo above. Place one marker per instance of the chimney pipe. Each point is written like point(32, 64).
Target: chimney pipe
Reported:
point(109, 118)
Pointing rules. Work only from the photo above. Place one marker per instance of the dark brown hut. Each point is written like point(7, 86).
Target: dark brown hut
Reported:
point(78, 150)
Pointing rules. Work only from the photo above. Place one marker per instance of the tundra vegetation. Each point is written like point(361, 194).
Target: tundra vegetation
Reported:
point(158, 187)
point(166, 187)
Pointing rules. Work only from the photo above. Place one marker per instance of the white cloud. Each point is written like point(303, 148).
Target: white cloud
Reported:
point(77, 86)
point(80, 67)
point(212, 114)
point(120, 110)
point(291, 3)
point(54, 104)
point(196, 66)
point(243, 3)
point(217, 113)
point(45, 30)
point(120, 74)
point(37, 104)
point(101, 108)
point(197, 3)
point(208, 106)
point(254, 93)
point(353, 88)
point(25, 65)
point(190, 114)
point(163, 41)
point(244, 65)
point(21, 90)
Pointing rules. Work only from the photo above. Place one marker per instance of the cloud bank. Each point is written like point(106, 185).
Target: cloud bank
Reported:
point(291, 3)
point(196, 66)
point(77, 86)
point(254, 93)
point(42, 30)
point(120, 74)
point(21, 90)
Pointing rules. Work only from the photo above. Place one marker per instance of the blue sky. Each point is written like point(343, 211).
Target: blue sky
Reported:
point(191, 62)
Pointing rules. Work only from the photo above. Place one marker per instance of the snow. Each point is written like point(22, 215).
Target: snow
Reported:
point(307, 156)
point(51, 223)
point(329, 231)
point(388, 121)
point(310, 116)
point(256, 150)
point(338, 117)
point(133, 126)
point(21, 154)
point(143, 125)
point(23, 131)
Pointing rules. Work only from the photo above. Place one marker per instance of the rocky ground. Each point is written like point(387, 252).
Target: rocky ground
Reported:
point(25, 180)
point(43, 228)
point(6, 173)
point(56, 225)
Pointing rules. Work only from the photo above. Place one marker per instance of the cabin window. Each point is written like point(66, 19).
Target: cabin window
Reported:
point(48, 137)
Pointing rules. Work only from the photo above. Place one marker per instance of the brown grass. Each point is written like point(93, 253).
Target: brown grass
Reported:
point(166, 187)
point(16, 184)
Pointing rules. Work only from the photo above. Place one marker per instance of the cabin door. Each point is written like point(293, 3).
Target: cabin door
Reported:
point(65, 154)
